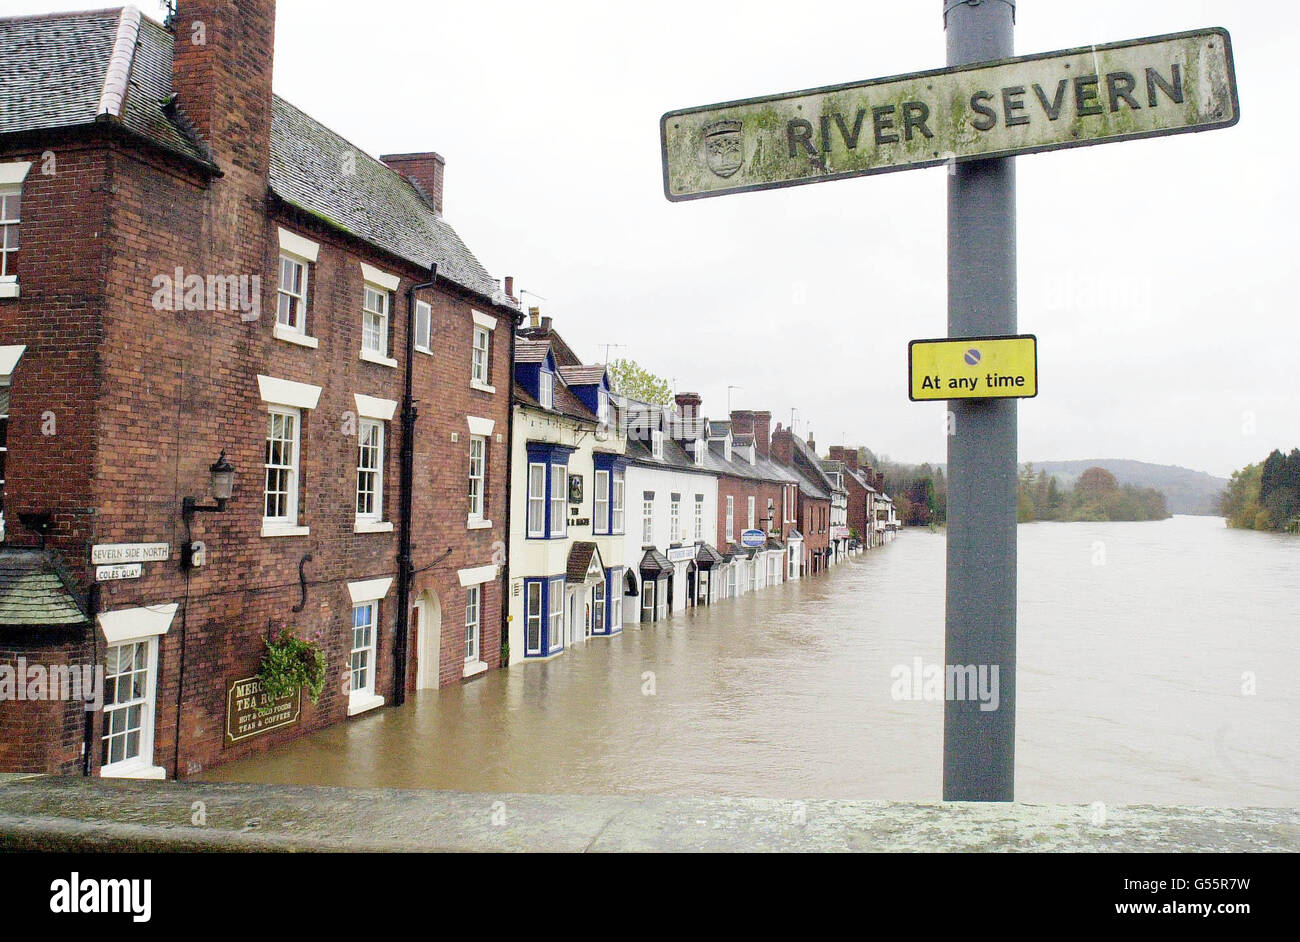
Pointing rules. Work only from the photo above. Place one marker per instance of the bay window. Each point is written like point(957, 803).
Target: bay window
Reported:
point(555, 615)
point(559, 494)
point(600, 503)
point(533, 616)
point(537, 500)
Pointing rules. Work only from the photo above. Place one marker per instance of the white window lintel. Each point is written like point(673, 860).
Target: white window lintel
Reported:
point(284, 392)
point(370, 590)
point(381, 278)
point(14, 172)
point(478, 426)
point(484, 320)
point(476, 576)
point(129, 624)
point(368, 407)
point(294, 244)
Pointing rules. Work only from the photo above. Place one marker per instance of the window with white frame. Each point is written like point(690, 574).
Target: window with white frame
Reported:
point(555, 620)
point(674, 520)
point(473, 617)
point(598, 608)
point(647, 521)
point(699, 520)
point(731, 580)
point(291, 301)
point(657, 443)
point(127, 738)
point(370, 470)
point(546, 389)
point(731, 518)
point(771, 512)
point(477, 476)
point(602, 407)
point(374, 321)
point(615, 599)
point(559, 494)
point(536, 499)
point(362, 660)
point(750, 525)
point(533, 630)
point(600, 503)
point(647, 600)
point(282, 437)
point(618, 485)
point(479, 364)
point(11, 200)
point(423, 326)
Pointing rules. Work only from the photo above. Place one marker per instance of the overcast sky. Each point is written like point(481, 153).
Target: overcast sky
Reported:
point(1158, 275)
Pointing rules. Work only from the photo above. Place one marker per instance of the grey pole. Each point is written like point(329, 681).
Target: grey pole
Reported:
point(980, 627)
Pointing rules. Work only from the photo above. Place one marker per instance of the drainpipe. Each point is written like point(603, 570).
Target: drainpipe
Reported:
point(516, 318)
point(405, 485)
point(88, 727)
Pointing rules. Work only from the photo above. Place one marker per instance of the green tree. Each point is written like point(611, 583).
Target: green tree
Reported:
point(634, 381)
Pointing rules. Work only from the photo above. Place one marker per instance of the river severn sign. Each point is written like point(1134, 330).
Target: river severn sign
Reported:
point(973, 368)
point(1121, 91)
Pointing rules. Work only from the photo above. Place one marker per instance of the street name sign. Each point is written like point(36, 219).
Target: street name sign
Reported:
point(112, 573)
point(1121, 91)
point(105, 554)
point(973, 368)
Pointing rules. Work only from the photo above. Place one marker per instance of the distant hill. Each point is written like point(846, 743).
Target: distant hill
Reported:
point(1186, 491)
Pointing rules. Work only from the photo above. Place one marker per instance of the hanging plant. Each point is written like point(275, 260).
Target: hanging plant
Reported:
point(290, 664)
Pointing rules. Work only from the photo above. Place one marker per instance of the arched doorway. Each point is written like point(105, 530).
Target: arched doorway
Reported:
point(426, 619)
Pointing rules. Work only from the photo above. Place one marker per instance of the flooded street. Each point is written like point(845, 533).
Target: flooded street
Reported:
point(1136, 642)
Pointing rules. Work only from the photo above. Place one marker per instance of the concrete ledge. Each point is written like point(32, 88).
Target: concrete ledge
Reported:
point(68, 813)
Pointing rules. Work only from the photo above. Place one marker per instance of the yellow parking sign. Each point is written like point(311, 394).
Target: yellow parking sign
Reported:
point(973, 368)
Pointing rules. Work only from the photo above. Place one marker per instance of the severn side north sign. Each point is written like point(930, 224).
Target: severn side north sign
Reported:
point(1092, 95)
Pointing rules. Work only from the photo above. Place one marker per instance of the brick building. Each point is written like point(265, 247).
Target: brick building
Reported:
point(864, 485)
point(814, 495)
point(192, 267)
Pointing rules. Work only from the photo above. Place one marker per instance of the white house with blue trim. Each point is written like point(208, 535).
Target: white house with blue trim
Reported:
point(567, 504)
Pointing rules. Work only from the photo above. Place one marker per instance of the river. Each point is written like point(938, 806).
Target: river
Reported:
point(1158, 663)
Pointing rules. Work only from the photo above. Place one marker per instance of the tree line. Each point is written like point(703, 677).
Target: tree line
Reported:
point(1266, 495)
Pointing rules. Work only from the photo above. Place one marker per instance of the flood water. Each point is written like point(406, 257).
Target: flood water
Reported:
point(1138, 643)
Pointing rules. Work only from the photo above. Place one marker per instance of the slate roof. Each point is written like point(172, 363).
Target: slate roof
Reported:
point(375, 203)
point(707, 556)
point(53, 76)
point(54, 70)
point(35, 592)
point(656, 562)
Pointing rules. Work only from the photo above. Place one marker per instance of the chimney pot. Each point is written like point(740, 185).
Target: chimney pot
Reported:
point(534, 316)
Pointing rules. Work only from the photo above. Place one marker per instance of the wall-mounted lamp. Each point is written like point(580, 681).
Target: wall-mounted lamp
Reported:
point(223, 485)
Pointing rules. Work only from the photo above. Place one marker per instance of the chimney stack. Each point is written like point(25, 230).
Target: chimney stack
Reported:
point(510, 287)
point(425, 170)
point(812, 445)
point(849, 456)
point(688, 403)
point(221, 71)
point(534, 316)
point(546, 323)
point(742, 422)
point(762, 433)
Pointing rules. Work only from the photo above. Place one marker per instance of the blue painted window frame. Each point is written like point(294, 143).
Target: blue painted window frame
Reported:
point(550, 455)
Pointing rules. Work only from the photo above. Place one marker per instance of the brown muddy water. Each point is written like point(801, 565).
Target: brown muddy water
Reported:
point(1158, 662)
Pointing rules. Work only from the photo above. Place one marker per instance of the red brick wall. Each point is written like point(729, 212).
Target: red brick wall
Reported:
point(145, 398)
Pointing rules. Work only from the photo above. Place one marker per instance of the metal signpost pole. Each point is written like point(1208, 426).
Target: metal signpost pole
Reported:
point(980, 626)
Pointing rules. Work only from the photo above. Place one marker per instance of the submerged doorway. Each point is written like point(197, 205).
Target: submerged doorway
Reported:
point(426, 618)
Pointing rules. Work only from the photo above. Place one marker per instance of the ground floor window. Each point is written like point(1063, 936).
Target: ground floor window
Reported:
point(647, 599)
point(598, 608)
point(555, 621)
point(731, 580)
point(533, 618)
point(473, 618)
point(364, 618)
point(128, 705)
point(661, 599)
point(615, 600)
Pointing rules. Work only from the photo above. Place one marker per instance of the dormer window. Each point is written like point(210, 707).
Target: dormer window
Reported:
point(602, 407)
point(546, 389)
point(700, 446)
point(657, 444)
